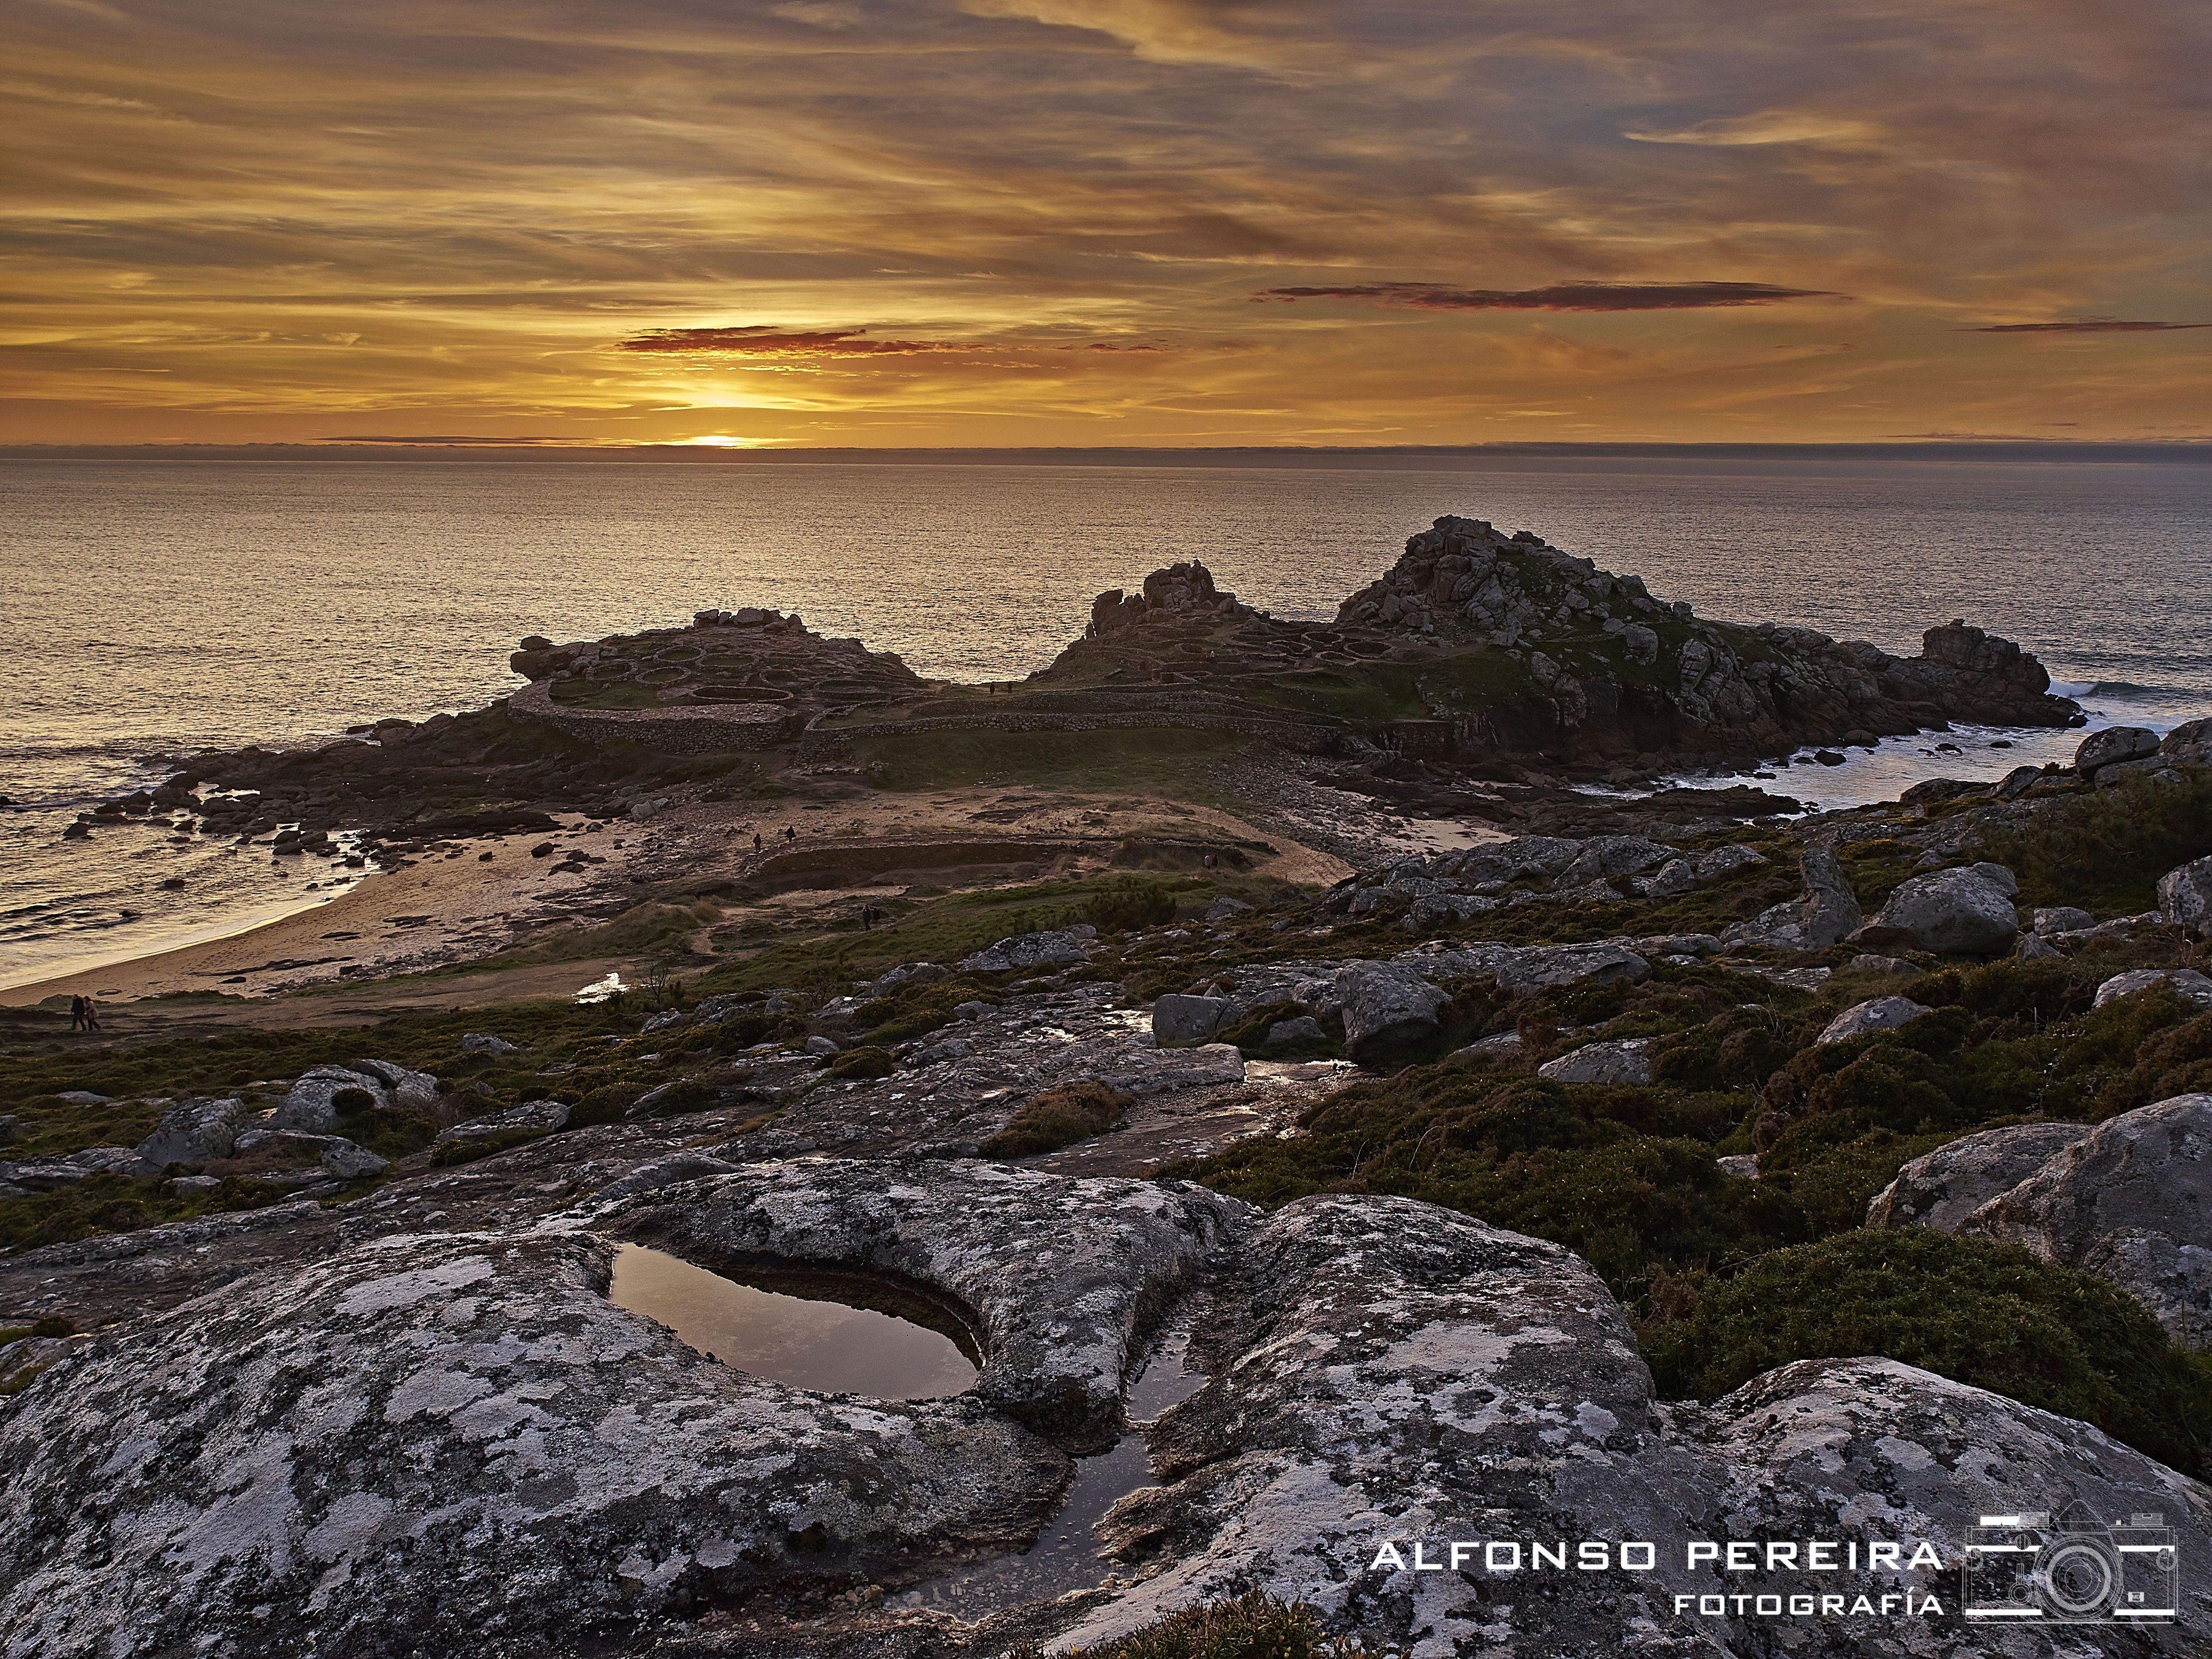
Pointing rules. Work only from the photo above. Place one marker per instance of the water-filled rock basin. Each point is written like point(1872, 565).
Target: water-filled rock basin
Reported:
point(803, 1340)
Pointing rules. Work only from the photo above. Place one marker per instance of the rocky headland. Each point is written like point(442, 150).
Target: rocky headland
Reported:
point(1552, 1234)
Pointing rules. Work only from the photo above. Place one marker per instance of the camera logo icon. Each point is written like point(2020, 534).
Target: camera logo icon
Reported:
point(2030, 1568)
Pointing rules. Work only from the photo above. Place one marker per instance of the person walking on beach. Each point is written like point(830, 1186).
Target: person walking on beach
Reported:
point(77, 1022)
point(756, 841)
point(790, 834)
point(91, 1014)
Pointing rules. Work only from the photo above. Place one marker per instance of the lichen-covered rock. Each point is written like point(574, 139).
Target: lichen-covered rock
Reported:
point(531, 1117)
point(1057, 1278)
point(2184, 982)
point(1827, 911)
point(1724, 861)
point(1524, 969)
point(1188, 1019)
point(2132, 1200)
point(1876, 1449)
point(1386, 1371)
point(448, 1445)
point(1384, 1007)
point(1954, 911)
point(2113, 745)
point(1388, 1374)
point(44, 1175)
point(1625, 1061)
point(309, 1105)
point(1034, 951)
point(1611, 855)
point(193, 1132)
point(334, 1155)
point(2184, 896)
point(1943, 1188)
point(1876, 1014)
point(2050, 919)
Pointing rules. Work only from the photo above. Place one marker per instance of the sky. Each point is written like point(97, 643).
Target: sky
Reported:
point(1151, 222)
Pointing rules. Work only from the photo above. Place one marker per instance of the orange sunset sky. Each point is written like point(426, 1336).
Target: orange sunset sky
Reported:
point(1161, 222)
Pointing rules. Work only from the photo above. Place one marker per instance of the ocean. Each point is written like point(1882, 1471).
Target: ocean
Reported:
point(170, 605)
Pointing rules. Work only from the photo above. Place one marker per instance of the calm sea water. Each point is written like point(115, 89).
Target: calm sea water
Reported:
point(159, 604)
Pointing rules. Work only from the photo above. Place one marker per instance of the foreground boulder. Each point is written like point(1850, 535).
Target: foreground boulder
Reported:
point(1384, 1006)
point(1942, 1189)
point(2184, 982)
point(193, 1132)
point(1054, 1278)
point(1827, 913)
point(446, 1445)
point(324, 1094)
point(1960, 912)
point(1035, 950)
point(1877, 1014)
point(2184, 897)
point(1386, 1375)
point(2132, 1200)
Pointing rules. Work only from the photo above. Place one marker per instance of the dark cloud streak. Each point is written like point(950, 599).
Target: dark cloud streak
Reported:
point(1556, 296)
point(760, 340)
point(2079, 328)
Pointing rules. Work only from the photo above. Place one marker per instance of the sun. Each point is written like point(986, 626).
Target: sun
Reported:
point(719, 440)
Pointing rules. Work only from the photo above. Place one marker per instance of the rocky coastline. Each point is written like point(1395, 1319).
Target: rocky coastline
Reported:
point(1675, 1174)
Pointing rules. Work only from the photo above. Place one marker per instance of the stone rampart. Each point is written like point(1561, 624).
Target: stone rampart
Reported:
point(682, 730)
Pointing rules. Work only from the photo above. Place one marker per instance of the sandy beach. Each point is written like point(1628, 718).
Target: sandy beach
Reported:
point(467, 900)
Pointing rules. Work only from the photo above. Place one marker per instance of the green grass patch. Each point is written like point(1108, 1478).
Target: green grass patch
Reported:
point(1176, 762)
point(116, 1204)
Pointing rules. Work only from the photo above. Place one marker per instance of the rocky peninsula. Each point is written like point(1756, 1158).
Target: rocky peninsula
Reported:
point(1392, 1202)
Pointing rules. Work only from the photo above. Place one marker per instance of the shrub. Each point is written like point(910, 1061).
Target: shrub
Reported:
point(467, 1152)
point(866, 1062)
point(387, 1131)
point(1991, 1315)
point(1057, 1118)
point(116, 1204)
point(1124, 903)
point(1625, 1175)
point(916, 1009)
point(1255, 1625)
point(2106, 851)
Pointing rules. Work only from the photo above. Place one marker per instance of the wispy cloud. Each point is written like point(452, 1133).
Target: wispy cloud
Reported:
point(1558, 296)
point(2097, 327)
point(759, 340)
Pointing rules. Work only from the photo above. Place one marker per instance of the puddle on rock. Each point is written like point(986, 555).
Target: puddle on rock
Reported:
point(1065, 1554)
point(808, 1343)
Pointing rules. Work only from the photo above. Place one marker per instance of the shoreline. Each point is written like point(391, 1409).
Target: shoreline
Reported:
point(451, 907)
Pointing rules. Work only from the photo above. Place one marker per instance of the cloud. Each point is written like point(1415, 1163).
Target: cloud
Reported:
point(1769, 127)
point(2104, 327)
point(1558, 296)
point(435, 438)
point(760, 340)
point(822, 13)
point(259, 219)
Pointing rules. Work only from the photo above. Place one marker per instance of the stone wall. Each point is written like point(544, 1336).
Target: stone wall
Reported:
point(686, 731)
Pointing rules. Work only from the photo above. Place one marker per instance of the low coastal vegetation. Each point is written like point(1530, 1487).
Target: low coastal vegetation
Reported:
point(1254, 1625)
